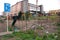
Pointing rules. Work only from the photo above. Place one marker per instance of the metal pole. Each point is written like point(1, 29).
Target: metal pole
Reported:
point(26, 19)
point(36, 5)
point(36, 12)
point(7, 21)
point(36, 9)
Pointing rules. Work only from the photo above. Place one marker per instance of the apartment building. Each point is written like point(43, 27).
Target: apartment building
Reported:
point(23, 6)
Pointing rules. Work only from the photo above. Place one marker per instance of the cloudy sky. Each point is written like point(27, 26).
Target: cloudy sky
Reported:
point(47, 4)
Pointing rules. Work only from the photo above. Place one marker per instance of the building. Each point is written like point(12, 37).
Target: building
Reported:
point(23, 6)
point(52, 12)
point(41, 8)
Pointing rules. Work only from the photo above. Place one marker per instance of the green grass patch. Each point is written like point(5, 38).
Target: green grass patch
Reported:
point(28, 35)
point(40, 27)
point(52, 17)
point(58, 30)
point(1, 21)
point(42, 17)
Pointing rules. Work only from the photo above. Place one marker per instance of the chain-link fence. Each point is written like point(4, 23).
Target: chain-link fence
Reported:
point(45, 23)
point(41, 24)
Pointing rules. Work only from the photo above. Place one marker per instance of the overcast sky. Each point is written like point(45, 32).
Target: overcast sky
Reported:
point(47, 4)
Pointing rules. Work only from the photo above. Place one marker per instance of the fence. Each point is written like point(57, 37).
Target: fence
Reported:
point(40, 24)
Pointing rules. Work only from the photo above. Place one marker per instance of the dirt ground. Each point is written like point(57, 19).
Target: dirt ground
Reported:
point(3, 27)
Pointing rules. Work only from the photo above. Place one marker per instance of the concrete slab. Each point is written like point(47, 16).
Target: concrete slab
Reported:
point(5, 33)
